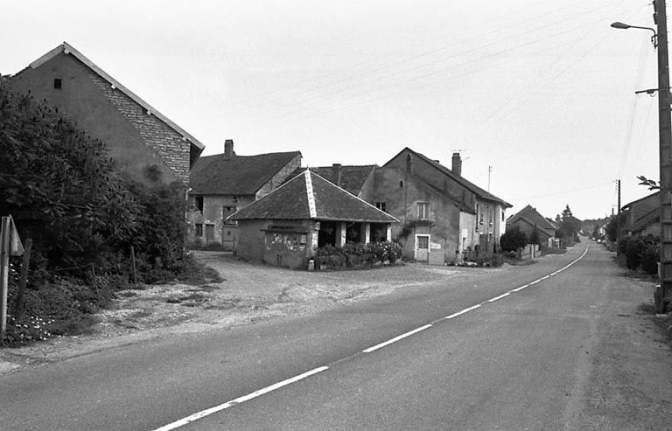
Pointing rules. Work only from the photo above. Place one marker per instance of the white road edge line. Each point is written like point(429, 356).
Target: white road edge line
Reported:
point(212, 410)
point(497, 298)
point(466, 310)
point(395, 339)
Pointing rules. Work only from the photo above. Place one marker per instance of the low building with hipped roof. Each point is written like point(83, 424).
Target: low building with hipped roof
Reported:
point(286, 227)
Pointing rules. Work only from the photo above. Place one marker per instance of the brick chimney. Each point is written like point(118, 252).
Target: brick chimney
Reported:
point(457, 164)
point(228, 149)
point(337, 169)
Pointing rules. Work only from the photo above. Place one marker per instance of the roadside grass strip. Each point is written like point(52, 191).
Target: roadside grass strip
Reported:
point(219, 408)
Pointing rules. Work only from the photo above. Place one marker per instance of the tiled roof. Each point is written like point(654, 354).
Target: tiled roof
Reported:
point(238, 175)
point(68, 49)
point(533, 217)
point(458, 178)
point(352, 177)
point(308, 196)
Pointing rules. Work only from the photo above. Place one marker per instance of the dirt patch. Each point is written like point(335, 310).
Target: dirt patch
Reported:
point(247, 293)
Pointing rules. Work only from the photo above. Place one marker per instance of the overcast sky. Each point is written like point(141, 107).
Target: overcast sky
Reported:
point(538, 96)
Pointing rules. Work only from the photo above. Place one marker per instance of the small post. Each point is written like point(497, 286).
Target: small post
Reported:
point(135, 275)
point(18, 305)
point(4, 272)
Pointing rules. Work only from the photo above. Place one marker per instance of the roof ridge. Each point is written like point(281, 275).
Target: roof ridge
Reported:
point(312, 207)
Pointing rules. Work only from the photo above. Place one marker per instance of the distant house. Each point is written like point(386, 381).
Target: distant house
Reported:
point(443, 217)
point(285, 227)
point(224, 183)
point(528, 220)
point(642, 217)
point(142, 141)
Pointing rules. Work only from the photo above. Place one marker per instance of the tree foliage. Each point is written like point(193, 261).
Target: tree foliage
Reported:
point(570, 226)
point(64, 192)
point(513, 239)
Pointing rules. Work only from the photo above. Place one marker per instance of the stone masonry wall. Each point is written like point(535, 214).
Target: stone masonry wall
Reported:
point(170, 145)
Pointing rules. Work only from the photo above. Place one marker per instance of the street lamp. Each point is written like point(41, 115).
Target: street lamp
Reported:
point(622, 26)
point(663, 295)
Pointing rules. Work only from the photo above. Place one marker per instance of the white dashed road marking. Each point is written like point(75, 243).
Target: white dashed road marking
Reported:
point(212, 410)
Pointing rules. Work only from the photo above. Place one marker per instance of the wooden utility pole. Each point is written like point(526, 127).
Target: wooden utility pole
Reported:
point(665, 151)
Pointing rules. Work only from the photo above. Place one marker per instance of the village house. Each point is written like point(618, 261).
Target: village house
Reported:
point(443, 217)
point(528, 220)
point(222, 184)
point(143, 142)
point(642, 217)
point(287, 226)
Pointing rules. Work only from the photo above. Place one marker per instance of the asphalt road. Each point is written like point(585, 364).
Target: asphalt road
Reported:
point(561, 351)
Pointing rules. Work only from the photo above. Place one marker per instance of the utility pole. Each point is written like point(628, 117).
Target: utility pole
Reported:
point(489, 173)
point(618, 214)
point(664, 292)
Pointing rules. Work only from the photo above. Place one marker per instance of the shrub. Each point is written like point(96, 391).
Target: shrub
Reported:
point(513, 239)
point(355, 254)
point(633, 252)
point(649, 259)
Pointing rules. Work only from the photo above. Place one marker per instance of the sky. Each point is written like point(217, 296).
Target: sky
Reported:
point(537, 96)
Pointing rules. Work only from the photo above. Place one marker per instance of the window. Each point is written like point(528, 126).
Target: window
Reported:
point(380, 205)
point(423, 210)
point(199, 229)
point(58, 83)
point(423, 242)
point(199, 203)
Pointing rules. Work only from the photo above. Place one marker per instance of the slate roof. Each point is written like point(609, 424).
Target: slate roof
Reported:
point(308, 196)
point(239, 175)
point(458, 178)
point(68, 49)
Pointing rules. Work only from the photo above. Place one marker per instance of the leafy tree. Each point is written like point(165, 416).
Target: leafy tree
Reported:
point(513, 239)
point(534, 236)
point(570, 226)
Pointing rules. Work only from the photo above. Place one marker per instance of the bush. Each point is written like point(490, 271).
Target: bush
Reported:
point(649, 259)
point(356, 254)
point(513, 239)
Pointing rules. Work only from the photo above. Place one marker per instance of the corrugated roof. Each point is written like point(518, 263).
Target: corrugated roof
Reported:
point(68, 49)
point(238, 175)
point(293, 201)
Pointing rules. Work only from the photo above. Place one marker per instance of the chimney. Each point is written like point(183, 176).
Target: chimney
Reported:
point(228, 149)
point(457, 164)
point(338, 173)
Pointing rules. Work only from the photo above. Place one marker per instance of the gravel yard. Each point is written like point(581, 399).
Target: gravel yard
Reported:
point(248, 293)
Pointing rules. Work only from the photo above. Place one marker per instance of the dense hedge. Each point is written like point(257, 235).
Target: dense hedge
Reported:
point(84, 217)
point(639, 253)
point(357, 254)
